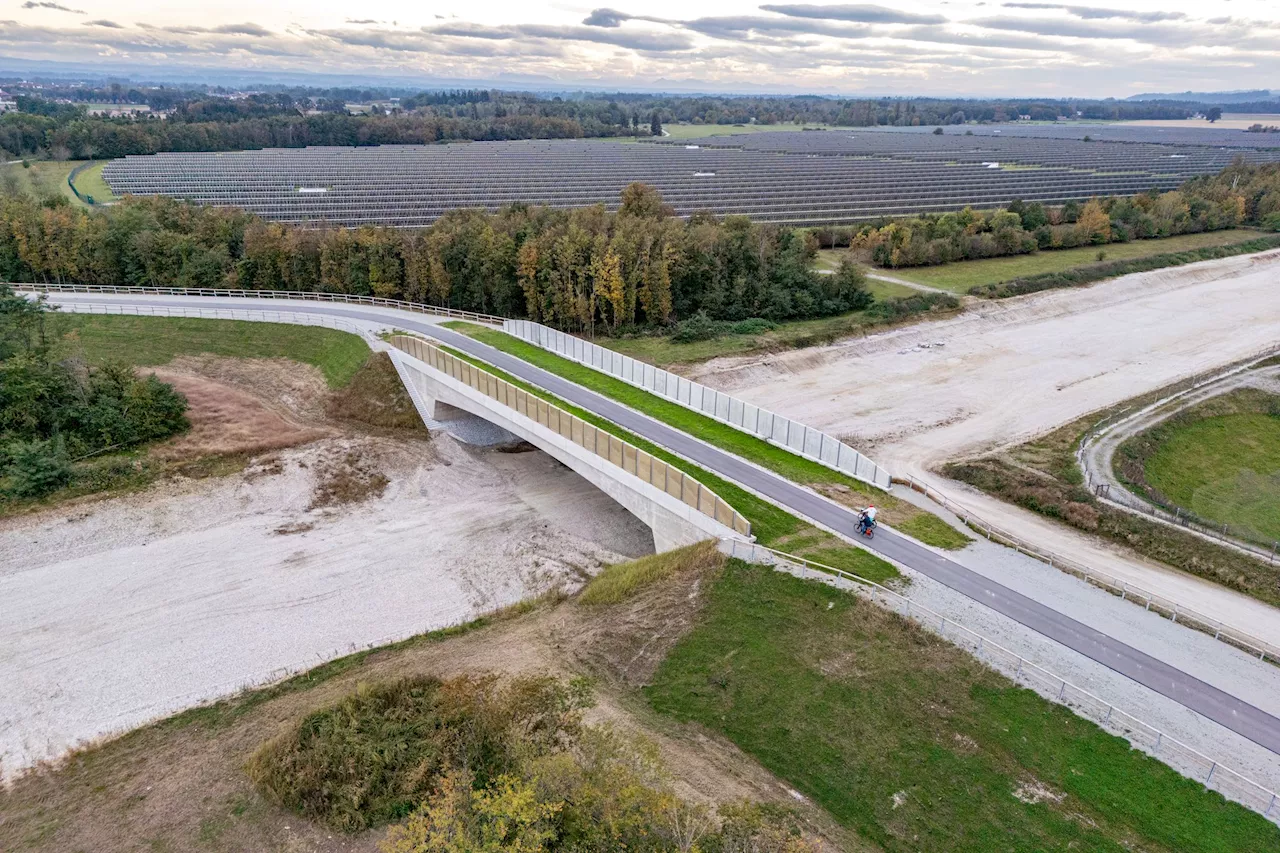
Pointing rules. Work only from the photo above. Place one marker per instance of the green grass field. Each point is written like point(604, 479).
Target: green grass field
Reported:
point(1225, 469)
point(90, 183)
point(960, 276)
point(913, 744)
point(152, 341)
point(49, 177)
point(787, 464)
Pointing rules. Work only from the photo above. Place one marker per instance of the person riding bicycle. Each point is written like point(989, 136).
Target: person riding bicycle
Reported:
point(867, 519)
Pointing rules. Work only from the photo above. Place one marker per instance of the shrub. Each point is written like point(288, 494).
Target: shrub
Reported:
point(380, 752)
point(699, 327)
point(36, 468)
point(752, 326)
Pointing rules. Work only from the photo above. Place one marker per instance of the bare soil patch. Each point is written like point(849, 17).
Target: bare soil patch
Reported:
point(347, 479)
point(226, 421)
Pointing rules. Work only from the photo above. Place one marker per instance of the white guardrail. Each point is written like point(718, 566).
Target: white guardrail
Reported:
point(1187, 761)
point(308, 296)
point(793, 436)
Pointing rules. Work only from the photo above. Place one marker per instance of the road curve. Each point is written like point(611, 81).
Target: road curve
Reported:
point(1215, 704)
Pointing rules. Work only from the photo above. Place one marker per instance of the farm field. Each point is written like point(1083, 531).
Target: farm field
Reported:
point(1224, 467)
point(786, 177)
point(960, 276)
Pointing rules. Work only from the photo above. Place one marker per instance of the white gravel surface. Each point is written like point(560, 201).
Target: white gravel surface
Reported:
point(1013, 369)
point(121, 611)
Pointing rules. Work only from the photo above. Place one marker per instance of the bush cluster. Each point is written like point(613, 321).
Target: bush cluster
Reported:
point(54, 411)
point(478, 764)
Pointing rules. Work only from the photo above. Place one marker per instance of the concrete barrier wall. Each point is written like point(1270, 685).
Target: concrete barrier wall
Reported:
point(774, 428)
point(654, 472)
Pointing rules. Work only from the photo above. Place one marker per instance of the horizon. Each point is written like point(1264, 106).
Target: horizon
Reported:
point(942, 49)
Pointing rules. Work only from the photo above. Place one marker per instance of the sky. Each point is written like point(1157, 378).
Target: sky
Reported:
point(934, 47)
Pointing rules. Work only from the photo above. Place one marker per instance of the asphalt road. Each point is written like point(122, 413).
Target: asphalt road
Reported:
point(1217, 705)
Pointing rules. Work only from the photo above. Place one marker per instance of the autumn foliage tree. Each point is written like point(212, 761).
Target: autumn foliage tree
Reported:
point(581, 269)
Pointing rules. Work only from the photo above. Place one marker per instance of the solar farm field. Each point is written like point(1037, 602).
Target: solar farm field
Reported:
point(796, 178)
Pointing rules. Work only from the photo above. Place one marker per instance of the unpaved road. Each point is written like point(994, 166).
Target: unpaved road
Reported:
point(1014, 369)
point(118, 611)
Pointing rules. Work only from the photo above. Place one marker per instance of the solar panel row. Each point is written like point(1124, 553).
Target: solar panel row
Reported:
point(786, 177)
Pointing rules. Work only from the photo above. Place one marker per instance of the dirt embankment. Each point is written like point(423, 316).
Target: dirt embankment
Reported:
point(327, 536)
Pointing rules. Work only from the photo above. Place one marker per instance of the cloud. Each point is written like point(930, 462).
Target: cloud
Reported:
point(605, 18)
point(361, 21)
point(31, 4)
point(1097, 13)
point(635, 40)
point(245, 29)
point(863, 14)
point(111, 25)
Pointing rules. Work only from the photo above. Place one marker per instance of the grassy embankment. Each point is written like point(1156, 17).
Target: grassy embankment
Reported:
point(1219, 459)
point(155, 341)
point(152, 341)
point(912, 743)
point(897, 513)
point(1042, 476)
point(962, 276)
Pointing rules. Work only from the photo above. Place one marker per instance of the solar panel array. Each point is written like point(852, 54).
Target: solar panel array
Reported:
point(797, 178)
point(1189, 132)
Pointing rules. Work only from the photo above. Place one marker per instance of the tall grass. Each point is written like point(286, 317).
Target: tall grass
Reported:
point(623, 580)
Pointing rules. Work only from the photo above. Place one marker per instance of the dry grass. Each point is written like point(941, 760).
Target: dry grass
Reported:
point(376, 397)
point(227, 421)
point(623, 580)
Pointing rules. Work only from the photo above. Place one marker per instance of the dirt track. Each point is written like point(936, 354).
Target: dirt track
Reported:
point(1014, 369)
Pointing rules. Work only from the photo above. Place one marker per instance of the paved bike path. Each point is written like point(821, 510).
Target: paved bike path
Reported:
point(1233, 713)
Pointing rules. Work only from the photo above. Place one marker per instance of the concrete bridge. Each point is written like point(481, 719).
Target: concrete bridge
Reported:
point(676, 507)
point(1214, 703)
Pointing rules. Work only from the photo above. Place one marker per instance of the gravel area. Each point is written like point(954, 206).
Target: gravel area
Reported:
point(120, 611)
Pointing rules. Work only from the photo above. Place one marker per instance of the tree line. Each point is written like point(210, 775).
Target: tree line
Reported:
point(55, 412)
point(52, 121)
point(585, 269)
point(1242, 194)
